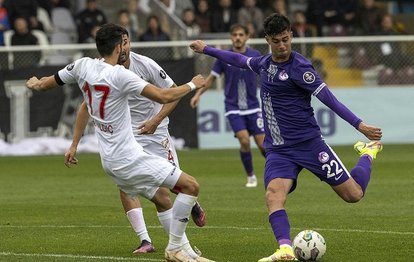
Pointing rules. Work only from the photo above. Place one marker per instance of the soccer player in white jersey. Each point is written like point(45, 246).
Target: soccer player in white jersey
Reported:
point(148, 117)
point(106, 87)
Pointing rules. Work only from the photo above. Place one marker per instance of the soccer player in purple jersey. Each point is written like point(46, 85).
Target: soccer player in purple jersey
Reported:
point(293, 139)
point(241, 104)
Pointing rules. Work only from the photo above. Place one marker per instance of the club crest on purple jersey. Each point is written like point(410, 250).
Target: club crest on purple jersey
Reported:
point(308, 77)
point(283, 75)
point(323, 157)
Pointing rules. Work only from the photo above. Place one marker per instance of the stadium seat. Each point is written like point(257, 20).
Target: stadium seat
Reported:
point(64, 32)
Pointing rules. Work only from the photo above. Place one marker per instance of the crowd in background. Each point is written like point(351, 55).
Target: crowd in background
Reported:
point(309, 17)
point(22, 22)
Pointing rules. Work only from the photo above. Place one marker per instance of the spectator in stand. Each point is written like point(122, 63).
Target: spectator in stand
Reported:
point(249, 12)
point(87, 19)
point(4, 22)
point(390, 53)
point(26, 9)
point(300, 28)
point(369, 17)
point(177, 7)
point(203, 16)
point(339, 16)
point(192, 28)
point(23, 36)
point(223, 17)
point(154, 32)
point(276, 6)
point(133, 11)
point(124, 20)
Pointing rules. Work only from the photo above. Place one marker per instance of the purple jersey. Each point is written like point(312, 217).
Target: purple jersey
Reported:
point(286, 90)
point(240, 86)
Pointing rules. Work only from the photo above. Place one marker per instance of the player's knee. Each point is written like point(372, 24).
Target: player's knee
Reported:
point(273, 197)
point(354, 197)
point(191, 187)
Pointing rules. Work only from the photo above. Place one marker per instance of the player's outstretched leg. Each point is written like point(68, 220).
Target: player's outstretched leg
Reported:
point(361, 173)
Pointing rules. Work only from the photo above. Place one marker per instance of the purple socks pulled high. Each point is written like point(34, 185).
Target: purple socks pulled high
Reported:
point(361, 173)
point(281, 227)
point(246, 158)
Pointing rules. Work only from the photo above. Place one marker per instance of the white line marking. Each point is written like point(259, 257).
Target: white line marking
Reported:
point(217, 227)
point(78, 256)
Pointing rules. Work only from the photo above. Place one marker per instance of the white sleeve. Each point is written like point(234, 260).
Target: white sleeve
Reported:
point(158, 76)
point(132, 83)
point(68, 74)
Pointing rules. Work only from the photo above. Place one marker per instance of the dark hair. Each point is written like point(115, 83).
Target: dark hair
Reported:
point(107, 37)
point(275, 24)
point(239, 26)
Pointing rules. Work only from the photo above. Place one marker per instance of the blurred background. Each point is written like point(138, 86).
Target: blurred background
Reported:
point(364, 49)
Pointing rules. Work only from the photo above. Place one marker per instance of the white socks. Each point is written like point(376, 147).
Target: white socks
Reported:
point(136, 218)
point(178, 217)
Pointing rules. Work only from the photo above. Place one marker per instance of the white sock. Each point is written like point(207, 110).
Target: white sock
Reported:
point(165, 220)
point(136, 218)
point(180, 216)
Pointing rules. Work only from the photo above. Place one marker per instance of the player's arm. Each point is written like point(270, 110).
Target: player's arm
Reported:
point(151, 125)
point(329, 99)
point(42, 84)
point(82, 119)
point(164, 96)
point(196, 98)
point(229, 57)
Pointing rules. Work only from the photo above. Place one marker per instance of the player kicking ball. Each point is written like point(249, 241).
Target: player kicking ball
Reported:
point(293, 139)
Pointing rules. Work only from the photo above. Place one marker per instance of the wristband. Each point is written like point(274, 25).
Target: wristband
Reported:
point(192, 85)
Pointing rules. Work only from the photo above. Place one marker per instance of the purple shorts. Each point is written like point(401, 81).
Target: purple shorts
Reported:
point(314, 155)
point(253, 123)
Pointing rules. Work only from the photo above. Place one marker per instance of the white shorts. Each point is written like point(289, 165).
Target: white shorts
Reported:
point(142, 174)
point(160, 145)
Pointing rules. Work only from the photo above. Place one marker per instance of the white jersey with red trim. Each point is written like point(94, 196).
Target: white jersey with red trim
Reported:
point(106, 89)
point(142, 108)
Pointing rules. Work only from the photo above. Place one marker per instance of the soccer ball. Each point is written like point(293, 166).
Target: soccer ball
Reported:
point(309, 245)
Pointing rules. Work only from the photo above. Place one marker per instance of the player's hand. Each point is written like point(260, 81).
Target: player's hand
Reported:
point(194, 101)
point(371, 132)
point(148, 127)
point(199, 81)
point(70, 158)
point(198, 46)
point(32, 83)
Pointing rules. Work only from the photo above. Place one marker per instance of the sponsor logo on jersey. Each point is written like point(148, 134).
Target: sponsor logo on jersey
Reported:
point(271, 72)
point(308, 77)
point(163, 75)
point(323, 157)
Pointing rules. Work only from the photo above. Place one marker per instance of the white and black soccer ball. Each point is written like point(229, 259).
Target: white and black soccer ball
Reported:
point(309, 245)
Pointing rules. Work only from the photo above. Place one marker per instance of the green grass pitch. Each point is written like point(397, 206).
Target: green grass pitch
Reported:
point(51, 213)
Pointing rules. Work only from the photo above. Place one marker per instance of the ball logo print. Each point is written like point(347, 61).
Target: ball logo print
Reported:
point(323, 157)
point(309, 245)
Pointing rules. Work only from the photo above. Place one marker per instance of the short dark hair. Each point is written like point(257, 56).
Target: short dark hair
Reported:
point(239, 26)
point(107, 37)
point(275, 24)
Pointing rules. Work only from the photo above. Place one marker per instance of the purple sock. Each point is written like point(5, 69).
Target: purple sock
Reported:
point(361, 173)
point(246, 158)
point(281, 227)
